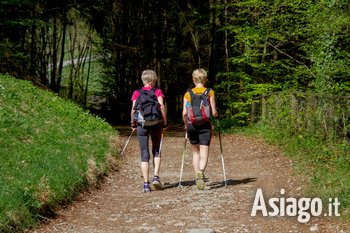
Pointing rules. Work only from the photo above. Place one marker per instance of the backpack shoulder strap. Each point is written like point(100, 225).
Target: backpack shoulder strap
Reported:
point(141, 91)
point(152, 91)
point(191, 92)
point(192, 95)
point(206, 92)
point(138, 100)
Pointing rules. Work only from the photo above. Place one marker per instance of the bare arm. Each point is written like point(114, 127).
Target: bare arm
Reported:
point(132, 114)
point(184, 112)
point(213, 106)
point(162, 109)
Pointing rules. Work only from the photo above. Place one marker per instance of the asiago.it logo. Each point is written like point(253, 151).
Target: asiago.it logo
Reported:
point(304, 208)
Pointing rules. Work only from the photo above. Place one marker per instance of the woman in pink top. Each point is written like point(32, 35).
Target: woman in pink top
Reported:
point(149, 78)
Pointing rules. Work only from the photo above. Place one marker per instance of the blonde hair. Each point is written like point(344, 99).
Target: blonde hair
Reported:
point(199, 76)
point(148, 77)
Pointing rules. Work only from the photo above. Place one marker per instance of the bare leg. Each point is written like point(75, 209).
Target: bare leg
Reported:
point(156, 164)
point(156, 135)
point(196, 158)
point(203, 157)
point(144, 169)
point(156, 185)
point(199, 162)
point(142, 136)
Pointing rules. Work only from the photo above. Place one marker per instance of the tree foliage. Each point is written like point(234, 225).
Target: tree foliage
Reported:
point(249, 47)
point(283, 45)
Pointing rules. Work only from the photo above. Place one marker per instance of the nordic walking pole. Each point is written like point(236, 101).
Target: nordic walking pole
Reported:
point(222, 154)
point(161, 143)
point(127, 142)
point(182, 162)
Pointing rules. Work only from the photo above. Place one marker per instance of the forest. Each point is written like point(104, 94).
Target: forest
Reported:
point(279, 68)
point(248, 47)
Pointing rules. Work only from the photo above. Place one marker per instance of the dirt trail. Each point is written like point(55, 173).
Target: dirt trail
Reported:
point(120, 206)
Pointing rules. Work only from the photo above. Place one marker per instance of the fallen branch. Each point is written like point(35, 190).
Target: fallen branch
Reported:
point(286, 54)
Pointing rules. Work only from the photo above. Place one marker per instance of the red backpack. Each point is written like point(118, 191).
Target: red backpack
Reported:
point(198, 111)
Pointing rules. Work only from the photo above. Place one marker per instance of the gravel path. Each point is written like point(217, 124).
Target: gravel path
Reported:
point(118, 205)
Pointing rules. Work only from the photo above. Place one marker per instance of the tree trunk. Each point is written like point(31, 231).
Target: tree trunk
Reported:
point(60, 67)
point(88, 75)
point(196, 43)
point(33, 57)
point(53, 83)
point(212, 41)
point(73, 44)
point(159, 45)
point(43, 57)
point(226, 42)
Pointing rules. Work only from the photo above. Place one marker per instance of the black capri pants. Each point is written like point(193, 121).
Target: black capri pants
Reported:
point(143, 133)
point(199, 134)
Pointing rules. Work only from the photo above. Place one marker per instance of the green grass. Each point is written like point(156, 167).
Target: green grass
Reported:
point(326, 164)
point(50, 150)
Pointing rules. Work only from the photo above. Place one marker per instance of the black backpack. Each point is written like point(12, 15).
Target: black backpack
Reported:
point(148, 108)
point(198, 112)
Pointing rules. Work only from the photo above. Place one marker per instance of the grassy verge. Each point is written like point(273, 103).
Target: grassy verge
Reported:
point(50, 150)
point(327, 165)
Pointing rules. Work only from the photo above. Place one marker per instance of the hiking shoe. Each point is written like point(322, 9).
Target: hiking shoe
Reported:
point(146, 187)
point(156, 185)
point(200, 180)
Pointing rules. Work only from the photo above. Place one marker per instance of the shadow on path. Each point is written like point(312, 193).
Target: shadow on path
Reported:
point(216, 185)
point(213, 185)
